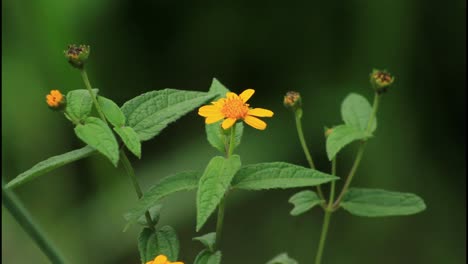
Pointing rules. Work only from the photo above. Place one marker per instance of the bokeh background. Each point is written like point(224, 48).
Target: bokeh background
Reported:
point(324, 50)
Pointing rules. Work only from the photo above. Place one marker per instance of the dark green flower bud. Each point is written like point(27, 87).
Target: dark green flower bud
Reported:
point(292, 100)
point(381, 80)
point(77, 55)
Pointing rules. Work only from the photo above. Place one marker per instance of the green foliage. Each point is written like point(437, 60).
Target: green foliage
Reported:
point(79, 104)
point(377, 203)
point(50, 164)
point(98, 135)
point(218, 89)
point(341, 136)
point(149, 113)
point(219, 138)
point(282, 258)
point(208, 257)
point(356, 111)
point(182, 181)
point(303, 201)
point(207, 240)
point(213, 185)
point(154, 212)
point(112, 111)
point(278, 175)
point(130, 139)
point(163, 241)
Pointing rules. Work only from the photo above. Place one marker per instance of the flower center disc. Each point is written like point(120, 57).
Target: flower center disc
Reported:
point(235, 108)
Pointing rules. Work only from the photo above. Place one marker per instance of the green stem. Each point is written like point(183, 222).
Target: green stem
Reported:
point(359, 154)
point(220, 218)
point(25, 220)
point(123, 157)
point(300, 133)
point(84, 75)
point(326, 219)
point(130, 172)
point(219, 222)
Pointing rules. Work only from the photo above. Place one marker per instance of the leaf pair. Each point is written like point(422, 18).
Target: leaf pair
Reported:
point(364, 202)
point(208, 255)
point(155, 242)
point(356, 112)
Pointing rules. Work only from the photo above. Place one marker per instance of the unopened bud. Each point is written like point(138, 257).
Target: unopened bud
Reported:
point(292, 100)
point(381, 80)
point(56, 100)
point(327, 131)
point(77, 55)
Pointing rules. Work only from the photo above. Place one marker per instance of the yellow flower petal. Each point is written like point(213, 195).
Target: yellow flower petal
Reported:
point(208, 110)
point(260, 112)
point(230, 95)
point(178, 262)
point(255, 122)
point(160, 259)
point(245, 95)
point(228, 123)
point(214, 118)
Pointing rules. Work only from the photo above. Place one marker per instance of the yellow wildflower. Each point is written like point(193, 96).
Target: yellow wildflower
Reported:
point(233, 108)
point(161, 259)
point(55, 99)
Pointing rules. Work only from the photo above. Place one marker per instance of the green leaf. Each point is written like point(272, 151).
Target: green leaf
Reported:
point(99, 136)
point(207, 240)
point(219, 138)
point(208, 257)
point(182, 181)
point(356, 111)
point(282, 258)
point(163, 241)
point(377, 202)
point(278, 175)
point(149, 113)
point(112, 111)
point(218, 89)
point(341, 136)
point(154, 212)
point(213, 184)
point(130, 139)
point(79, 103)
point(303, 201)
point(50, 164)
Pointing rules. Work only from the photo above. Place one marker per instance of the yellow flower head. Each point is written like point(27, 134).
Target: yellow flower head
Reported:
point(233, 108)
point(161, 259)
point(55, 99)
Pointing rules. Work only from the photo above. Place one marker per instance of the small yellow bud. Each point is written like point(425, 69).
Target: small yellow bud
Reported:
point(381, 80)
point(56, 100)
point(292, 100)
point(327, 131)
point(77, 55)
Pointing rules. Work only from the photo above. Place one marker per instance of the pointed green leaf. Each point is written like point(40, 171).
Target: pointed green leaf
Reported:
point(163, 241)
point(282, 258)
point(356, 111)
point(182, 181)
point(213, 185)
point(149, 113)
point(303, 201)
point(218, 88)
point(79, 103)
point(112, 111)
point(208, 257)
point(219, 138)
point(341, 136)
point(99, 136)
point(377, 202)
point(278, 175)
point(207, 240)
point(50, 164)
point(130, 139)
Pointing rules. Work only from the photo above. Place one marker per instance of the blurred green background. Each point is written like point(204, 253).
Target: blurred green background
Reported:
point(324, 50)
